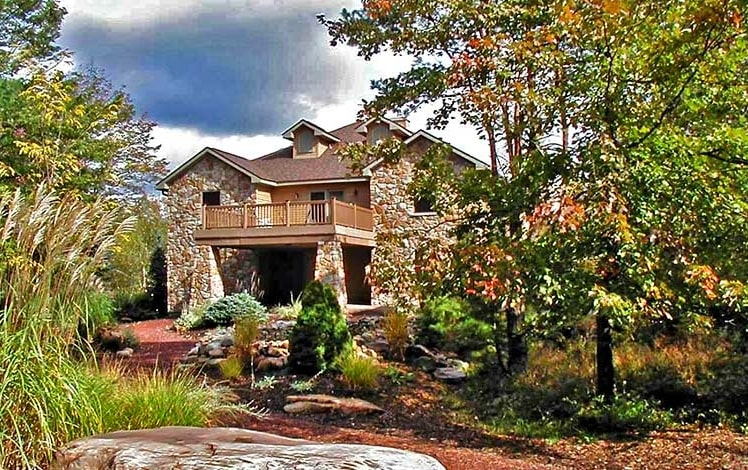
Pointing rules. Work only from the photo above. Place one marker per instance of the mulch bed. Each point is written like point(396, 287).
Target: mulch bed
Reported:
point(422, 416)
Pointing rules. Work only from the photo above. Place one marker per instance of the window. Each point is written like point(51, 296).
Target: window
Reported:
point(326, 195)
point(212, 198)
point(304, 140)
point(378, 132)
point(423, 204)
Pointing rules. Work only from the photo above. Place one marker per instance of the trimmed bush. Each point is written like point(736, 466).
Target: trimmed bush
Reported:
point(446, 323)
point(226, 310)
point(321, 331)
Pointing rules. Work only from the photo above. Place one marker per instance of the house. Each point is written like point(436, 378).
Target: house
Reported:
point(274, 223)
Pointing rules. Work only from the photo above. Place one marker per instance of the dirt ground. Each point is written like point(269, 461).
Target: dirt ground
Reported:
point(420, 416)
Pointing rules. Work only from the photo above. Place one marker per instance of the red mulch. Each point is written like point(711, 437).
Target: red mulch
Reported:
point(160, 344)
point(418, 418)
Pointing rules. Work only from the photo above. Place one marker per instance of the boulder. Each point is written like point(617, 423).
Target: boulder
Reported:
point(310, 404)
point(124, 353)
point(425, 363)
point(227, 448)
point(271, 363)
point(216, 353)
point(226, 341)
point(449, 374)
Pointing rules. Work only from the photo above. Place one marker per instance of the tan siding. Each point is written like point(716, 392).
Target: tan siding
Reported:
point(357, 193)
point(262, 195)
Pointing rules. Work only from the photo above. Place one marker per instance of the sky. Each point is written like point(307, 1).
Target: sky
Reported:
point(232, 74)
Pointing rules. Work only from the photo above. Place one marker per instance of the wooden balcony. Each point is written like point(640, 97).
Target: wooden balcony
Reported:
point(297, 223)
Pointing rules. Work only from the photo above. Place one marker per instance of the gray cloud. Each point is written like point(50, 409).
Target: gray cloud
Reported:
point(216, 71)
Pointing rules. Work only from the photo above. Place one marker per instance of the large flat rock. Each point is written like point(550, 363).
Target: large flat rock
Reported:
point(188, 448)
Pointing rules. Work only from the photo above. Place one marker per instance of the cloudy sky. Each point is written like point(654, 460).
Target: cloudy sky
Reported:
point(231, 73)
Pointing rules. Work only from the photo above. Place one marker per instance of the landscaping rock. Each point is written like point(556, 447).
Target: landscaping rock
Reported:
point(227, 448)
point(194, 351)
point(449, 374)
point(216, 353)
point(310, 404)
point(226, 341)
point(271, 363)
point(458, 364)
point(415, 351)
point(124, 353)
point(426, 364)
point(215, 362)
point(381, 346)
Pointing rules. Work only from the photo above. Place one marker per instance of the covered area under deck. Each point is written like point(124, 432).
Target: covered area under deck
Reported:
point(295, 242)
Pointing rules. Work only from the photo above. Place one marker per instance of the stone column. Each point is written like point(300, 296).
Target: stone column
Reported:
point(329, 268)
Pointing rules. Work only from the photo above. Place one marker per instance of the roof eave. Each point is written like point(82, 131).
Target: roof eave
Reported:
point(318, 131)
point(163, 184)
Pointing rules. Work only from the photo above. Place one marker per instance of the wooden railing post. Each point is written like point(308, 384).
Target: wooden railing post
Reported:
point(245, 211)
point(333, 203)
point(202, 210)
point(288, 213)
point(355, 216)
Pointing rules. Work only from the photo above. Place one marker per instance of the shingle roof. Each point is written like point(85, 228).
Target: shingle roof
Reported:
point(281, 167)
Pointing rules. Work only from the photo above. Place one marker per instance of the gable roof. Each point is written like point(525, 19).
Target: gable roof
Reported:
point(394, 126)
point(318, 131)
point(421, 134)
point(279, 168)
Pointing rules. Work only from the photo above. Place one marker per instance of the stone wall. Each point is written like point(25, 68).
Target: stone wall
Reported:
point(328, 268)
point(394, 212)
point(193, 271)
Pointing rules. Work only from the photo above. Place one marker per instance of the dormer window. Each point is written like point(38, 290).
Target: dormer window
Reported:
point(304, 140)
point(377, 133)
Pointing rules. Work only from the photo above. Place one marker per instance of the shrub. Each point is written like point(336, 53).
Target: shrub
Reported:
point(191, 319)
point(98, 312)
point(321, 331)
point(130, 339)
point(246, 332)
point(358, 372)
point(626, 413)
point(290, 311)
point(136, 307)
point(395, 327)
point(224, 311)
point(231, 368)
point(446, 323)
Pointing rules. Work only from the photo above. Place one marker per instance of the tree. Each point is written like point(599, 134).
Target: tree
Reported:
point(627, 138)
point(74, 132)
point(132, 267)
point(28, 31)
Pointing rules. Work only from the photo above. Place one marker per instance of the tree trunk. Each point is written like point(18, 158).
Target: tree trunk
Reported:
point(605, 367)
point(516, 348)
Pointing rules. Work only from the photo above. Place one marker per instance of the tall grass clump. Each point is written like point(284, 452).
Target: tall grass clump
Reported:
point(357, 371)
point(159, 398)
point(51, 248)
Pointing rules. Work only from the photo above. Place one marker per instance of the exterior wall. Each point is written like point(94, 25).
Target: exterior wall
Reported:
point(262, 195)
point(329, 268)
point(357, 193)
point(394, 212)
point(194, 273)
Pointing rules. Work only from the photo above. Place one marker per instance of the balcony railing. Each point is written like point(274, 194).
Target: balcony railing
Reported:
point(287, 214)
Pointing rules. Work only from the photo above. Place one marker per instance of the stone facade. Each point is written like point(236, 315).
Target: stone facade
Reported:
point(197, 274)
point(329, 269)
point(394, 211)
point(194, 275)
